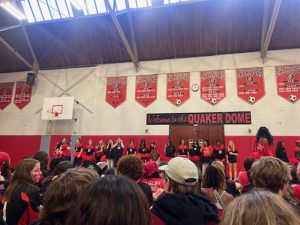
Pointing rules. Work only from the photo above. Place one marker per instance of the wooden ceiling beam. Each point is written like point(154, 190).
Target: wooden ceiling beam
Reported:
point(122, 35)
point(17, 54)
point(270, 29)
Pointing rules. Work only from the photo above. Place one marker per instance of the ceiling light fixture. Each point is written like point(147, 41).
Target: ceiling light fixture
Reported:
point(77, 4)
point(13, 10)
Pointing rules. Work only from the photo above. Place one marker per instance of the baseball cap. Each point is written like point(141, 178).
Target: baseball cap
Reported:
point(181, 170)
point(102, 165)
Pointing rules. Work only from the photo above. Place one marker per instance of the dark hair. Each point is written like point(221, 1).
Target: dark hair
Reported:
point(43, 158)
point(62, 167)
point(121, 202)
point(143, 143)
point(248, 163)
point(110, 171)
point(131, 166)
point(54, 163)
point(207, 142)
point(264, 132)
point(62, 194)
point(5, 171)
point(213, 177)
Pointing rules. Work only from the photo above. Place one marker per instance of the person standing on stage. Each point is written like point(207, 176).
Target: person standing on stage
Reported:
point(195, 153)
point(281, 152)
point(170, 150)
point(131, 149)
point(262, 145)
point(100, 152)
point(78, 152)
point(154, 155)
point(118, 146)
point(183, 150)
point(110, 152)
point(207, 155)
point(143, 151)
point(89, 152)
point(219, 151)
point(232, 154)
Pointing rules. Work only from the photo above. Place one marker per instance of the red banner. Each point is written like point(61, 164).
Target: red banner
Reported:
point(213, 86)
point(288, 82)
point(6, 92)
point(250, 84)
point(146, 89)
point(116, 90)
point(22, 94)
point(178, 88)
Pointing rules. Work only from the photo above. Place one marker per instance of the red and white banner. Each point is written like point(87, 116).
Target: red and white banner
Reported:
point(6, 92)
point(178, 88)
point(116, 90)
point(288, 82)
point(213, 86)
point(250, 84)
point(22, 94)
point(146, 89)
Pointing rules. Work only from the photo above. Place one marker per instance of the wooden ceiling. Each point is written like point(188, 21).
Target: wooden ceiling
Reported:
point(188, 30)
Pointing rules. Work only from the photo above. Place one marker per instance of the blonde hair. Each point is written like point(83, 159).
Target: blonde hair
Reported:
point(259, 207)
point(298, 171)
point(270, 173)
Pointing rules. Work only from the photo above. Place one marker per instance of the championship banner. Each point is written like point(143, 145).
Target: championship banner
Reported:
point(213, 86)
point(288, 82)
point(146, 89)
point(22, 94)
point(116, 90)
point(178, 88)
point(250, 84)
point(6, 92)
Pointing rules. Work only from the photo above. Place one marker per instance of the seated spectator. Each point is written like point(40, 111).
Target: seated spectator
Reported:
point(273, 175)
point(62, 194)
point(121, 202)
point(296, 187)
point(43, 158)
point(243, 178)
point(59, 169)
point(181, 204)
point(22, 196)
point(259, 207)
point(132, 166)
point(152, 177)
point(214, 185)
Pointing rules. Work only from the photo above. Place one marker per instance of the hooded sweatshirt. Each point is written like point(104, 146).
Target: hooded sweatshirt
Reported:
point(183, 209)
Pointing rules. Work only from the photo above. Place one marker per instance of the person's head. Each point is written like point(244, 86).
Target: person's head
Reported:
point(214, 177)
point(169, 143)
point(78, 141)
point(271, 173)
point(27, 171)
point(264, 133)
point(62, 167)
point(43, 158)
point(121, 202)
point(64, 140)
point(200, 142)
point(280, 145)
point(90, 141)
point(54, 163)
point(143, 143)
point(248, 163)
point(259, 207)
point(151, 169)
point(180, 176)
point(218, 142)
point(182, 142)
point(205, 143)
point(103, 167)
point(195, 144)
point(131, 141)
point(298, 171)
point(101, 142)
point(298, 143)
point(153, 145)
point(119, 140)
point(110, 171)
point(63, 192)
point(4, 163)
point(130, 166)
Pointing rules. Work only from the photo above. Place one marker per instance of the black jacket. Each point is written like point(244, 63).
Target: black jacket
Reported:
point(181, 209)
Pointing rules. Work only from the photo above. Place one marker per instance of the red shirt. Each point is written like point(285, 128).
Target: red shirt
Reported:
point(207, 151)
point(155, 183)
point(243, 178)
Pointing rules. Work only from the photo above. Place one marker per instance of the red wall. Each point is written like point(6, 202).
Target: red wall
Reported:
point(20, 146)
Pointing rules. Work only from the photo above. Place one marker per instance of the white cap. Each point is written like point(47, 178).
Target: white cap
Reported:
point(181, 170)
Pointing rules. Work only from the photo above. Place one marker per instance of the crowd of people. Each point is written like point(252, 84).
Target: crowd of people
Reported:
point(111, 188)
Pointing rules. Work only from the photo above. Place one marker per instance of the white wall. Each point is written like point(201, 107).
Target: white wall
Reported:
point(272, 111)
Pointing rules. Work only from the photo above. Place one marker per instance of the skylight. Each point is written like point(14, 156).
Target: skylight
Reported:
point(45, 10)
